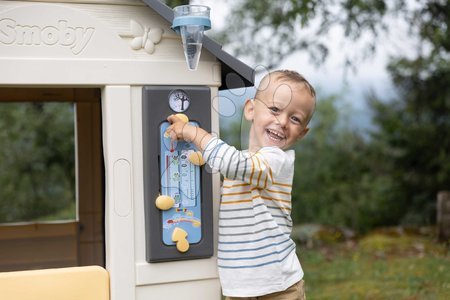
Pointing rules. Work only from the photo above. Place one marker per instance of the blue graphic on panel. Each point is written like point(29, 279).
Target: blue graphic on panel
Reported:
point(180, 179)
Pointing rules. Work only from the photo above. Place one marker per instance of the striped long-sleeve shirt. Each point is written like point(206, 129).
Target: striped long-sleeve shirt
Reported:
point(256, 255)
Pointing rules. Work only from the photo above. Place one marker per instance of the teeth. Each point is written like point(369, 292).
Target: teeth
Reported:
point(275, 133)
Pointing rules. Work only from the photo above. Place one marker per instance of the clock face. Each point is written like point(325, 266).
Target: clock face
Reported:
point(179, 101)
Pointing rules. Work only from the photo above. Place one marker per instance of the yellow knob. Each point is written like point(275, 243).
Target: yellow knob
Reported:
point(196, 158)
point(183, 245)
point(164, 202)
point(182, 117)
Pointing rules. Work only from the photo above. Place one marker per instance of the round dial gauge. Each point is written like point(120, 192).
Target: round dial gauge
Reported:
point(179, 101)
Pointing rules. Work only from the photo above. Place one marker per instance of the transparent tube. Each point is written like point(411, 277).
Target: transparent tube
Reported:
point(192, 36)
point(191, 18)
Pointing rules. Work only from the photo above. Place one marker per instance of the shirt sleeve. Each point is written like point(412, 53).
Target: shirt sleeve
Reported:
point(259, 169)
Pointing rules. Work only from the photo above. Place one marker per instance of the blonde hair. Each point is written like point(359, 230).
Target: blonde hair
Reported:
point(290, 76)
point(287, 75)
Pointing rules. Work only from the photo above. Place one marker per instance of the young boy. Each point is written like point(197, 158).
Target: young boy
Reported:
point(256, 256)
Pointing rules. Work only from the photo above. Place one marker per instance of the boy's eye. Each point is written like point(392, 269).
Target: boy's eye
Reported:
point(296, 120)
point(274, 109)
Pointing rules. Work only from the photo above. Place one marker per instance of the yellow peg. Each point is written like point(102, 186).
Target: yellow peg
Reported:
point(164, 202)
point(179, 237)
point(196, 158)
point(182, 117)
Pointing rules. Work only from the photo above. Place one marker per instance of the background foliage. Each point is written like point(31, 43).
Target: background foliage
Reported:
point(37, 169)
point(391, 173)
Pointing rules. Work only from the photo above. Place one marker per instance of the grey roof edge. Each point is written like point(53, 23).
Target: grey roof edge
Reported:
point(235, 73)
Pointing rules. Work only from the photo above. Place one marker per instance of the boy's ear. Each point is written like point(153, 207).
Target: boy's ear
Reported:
point(303, 133)
point(249, 109)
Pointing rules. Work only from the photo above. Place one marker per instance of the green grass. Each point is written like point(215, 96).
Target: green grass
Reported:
point(378, 266)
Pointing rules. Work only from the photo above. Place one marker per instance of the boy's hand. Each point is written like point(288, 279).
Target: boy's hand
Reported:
point(179, 130)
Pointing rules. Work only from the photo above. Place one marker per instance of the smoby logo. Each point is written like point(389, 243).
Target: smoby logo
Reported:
point(76, 38)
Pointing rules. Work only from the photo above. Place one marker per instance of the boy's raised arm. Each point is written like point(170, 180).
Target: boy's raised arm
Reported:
point(257, 169)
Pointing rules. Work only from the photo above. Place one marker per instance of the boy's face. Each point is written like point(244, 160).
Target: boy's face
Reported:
point(279, 115)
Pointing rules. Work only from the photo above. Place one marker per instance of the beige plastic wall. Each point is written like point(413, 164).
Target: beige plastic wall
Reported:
point(88, 44)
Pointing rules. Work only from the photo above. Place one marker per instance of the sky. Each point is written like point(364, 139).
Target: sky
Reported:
point(328, 78)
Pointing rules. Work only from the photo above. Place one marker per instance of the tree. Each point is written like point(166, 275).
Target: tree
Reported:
point(414, 128)
point(334, 181)
point(37, 169)
point(393, 176)
point(266, 31)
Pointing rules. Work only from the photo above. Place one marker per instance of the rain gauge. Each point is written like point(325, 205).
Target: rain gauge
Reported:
point(190, 21)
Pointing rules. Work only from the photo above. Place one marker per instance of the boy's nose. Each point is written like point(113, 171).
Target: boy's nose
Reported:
point(282, 120)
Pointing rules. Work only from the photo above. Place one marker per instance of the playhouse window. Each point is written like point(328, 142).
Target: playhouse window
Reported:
point(37, 161)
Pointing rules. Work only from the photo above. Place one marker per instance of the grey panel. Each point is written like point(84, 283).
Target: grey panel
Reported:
point(155, 110)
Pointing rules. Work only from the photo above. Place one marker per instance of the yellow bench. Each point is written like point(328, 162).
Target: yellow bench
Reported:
point(78, 283)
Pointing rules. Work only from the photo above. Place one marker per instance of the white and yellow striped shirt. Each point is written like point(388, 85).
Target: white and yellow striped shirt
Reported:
point(256, 255)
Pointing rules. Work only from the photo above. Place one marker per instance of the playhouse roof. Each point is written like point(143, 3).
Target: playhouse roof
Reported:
point(231, 66)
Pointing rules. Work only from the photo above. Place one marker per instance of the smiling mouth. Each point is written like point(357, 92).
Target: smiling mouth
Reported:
point(275, 135)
